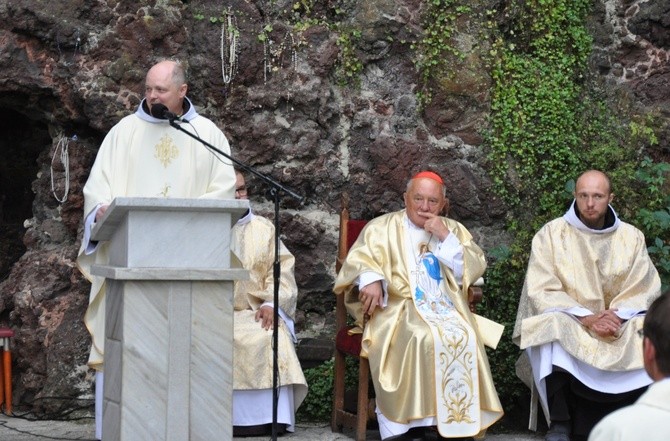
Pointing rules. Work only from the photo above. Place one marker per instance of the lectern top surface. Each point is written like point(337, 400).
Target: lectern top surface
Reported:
point(121, 206)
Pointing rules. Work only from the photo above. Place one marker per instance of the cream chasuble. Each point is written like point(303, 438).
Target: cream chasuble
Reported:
point(572, 267)
point(142, 156)
point(426, 355)
point(253, 244)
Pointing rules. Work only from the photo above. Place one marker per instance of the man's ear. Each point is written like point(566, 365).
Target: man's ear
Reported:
point(649, 356)
point(445, 209)
point(611, 198)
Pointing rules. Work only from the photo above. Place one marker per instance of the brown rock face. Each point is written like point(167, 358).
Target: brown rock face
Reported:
point(75, 67)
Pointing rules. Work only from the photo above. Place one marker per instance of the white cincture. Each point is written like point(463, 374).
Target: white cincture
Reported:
point(229, 36)
point(62, 152)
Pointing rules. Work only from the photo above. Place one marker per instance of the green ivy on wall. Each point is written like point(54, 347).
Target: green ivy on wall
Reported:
point(350, 66)
point(435, 44)
point(536, 105)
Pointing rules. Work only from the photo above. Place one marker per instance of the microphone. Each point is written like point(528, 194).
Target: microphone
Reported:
point(160, 111)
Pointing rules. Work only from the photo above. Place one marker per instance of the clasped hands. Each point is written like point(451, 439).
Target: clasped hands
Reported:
point(604, 324)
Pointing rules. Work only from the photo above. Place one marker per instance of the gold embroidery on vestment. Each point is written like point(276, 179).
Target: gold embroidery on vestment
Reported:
point(166, 151)
point(457, 382)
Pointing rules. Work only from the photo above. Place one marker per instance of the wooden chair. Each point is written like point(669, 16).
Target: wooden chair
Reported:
point(350, 345)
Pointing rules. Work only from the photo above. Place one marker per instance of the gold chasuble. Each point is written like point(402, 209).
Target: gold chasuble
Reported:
point(572, 266)
point(253, 244)
point(142, 156)
point(425, 350)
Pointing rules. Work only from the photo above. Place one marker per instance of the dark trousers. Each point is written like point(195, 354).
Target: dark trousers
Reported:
point(570, 401)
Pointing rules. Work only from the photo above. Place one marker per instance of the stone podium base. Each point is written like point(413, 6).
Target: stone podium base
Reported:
point(168, 355)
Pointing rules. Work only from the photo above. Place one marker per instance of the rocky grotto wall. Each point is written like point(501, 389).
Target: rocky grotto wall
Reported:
point(70, 69)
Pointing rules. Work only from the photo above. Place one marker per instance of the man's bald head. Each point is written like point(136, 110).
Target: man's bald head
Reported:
point(595, 175)
point(165, 83)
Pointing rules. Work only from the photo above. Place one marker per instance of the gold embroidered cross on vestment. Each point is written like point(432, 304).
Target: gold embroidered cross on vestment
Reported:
point(166, 151)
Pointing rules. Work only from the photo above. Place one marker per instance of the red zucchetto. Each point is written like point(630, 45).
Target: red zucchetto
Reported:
point(430, 175)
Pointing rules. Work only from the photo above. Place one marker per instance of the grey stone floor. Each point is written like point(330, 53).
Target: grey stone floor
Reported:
point(20, 429)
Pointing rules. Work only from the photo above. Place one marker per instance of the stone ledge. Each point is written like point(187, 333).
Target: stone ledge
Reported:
point(314, 351)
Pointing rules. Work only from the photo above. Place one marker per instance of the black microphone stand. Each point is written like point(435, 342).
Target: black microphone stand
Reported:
point(275, 189)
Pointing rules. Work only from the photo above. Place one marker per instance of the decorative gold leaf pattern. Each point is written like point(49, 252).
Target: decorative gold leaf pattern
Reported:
point(458, 394)
point(166, 151)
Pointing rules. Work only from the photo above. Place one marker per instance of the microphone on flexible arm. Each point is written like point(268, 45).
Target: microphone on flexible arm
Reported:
point(160, 111)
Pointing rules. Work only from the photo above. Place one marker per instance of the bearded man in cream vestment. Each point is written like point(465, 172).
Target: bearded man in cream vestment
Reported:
point(253, 244)
point(143, 156)
point(588, 285)
point(427, 360)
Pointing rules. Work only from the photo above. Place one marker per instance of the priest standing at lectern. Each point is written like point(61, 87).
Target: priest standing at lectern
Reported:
point(143, 156)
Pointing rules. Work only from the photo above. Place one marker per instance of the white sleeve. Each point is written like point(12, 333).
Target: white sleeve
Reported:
point(91, 246)
point(450, 253)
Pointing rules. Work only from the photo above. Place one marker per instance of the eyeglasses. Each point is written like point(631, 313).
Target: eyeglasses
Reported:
point(242, 191)
point(418, 200)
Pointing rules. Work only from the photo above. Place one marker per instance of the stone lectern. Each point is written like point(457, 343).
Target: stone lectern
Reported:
point(169, 318)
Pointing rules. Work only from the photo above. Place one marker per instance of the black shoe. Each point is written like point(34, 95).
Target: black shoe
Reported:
point(439, 437)
point(413, 434)
point(405, 437)
point(258, 430)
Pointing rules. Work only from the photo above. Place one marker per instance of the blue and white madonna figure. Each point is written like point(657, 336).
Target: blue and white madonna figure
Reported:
point(455, 346)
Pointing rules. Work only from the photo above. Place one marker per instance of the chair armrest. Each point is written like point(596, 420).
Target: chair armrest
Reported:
point(475, 294)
